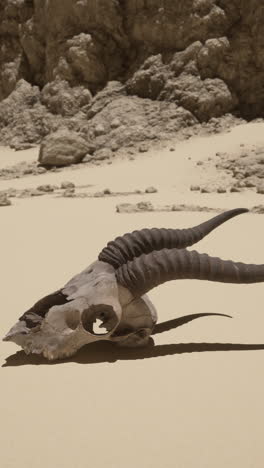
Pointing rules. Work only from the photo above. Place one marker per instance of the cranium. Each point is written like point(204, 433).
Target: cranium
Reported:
point(113, 290)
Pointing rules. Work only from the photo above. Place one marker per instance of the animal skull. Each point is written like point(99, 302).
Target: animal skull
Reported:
point(92, 295)
point(113, 290)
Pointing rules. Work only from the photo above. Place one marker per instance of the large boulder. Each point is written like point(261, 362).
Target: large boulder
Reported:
point(63, 148)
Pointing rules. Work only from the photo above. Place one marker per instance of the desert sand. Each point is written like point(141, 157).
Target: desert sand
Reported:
point(195, 400)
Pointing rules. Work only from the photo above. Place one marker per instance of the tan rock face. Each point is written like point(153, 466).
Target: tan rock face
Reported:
point(205, 56)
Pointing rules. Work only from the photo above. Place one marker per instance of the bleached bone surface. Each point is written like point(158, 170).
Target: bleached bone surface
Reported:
point(92, 295)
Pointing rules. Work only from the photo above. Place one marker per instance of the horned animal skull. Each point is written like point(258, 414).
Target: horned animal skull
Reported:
point(113, 290)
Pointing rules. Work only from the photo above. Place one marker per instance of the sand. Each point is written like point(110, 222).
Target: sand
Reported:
point(193, 401)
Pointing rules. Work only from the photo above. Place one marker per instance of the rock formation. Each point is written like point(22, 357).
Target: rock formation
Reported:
point(119, 71)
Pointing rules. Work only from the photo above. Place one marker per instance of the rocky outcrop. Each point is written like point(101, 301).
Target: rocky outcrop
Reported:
point(77, 63)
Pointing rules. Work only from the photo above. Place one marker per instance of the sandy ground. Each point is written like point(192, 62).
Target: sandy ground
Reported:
point(196, 399)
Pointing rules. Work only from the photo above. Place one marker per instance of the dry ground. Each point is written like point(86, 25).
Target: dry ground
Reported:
point(182, 404)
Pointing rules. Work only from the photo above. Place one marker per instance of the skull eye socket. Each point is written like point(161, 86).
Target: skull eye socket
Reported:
point(103, 313)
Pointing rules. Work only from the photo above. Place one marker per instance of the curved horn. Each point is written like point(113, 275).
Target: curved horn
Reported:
point(148, 271)
point(134, 244)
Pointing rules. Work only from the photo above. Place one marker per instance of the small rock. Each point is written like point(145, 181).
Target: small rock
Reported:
point(134, 208)
point(206, 190)
point(241, 184)
point(221, 190)
point(69, 192)
point(145, 206)
point(11, 192)
point(114, 146)
point(260, 189)
point(67, 185)
point(199, 163)
point(125, 208)
point(99, 130)
point(143, 148)
point(260, 160)
point(172, 149)
point(46, 188)
point(235, 189)
point(30, 193)
point(41, 170)
point(249, 183)
point(36, 193)
point(151, 190)
point(131, 158)
point(107, 191)
point(4, 200)
point(194, 188)
point(87, 158)
point(258, 209)
point(103, 154)
point(115, 123)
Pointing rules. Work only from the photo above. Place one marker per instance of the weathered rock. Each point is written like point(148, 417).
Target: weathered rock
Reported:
point(134, 208)
point(46, 188)
point(62, 148)
point(60, 98)
point(99, 130)
point(260, 189)
point(115, 123)
point(258, 209)
point(87, 158)
point(4, 199)
point(69, 192)
point(30, 193)
point(151, 190)
point(235, 189)
point(194, 188)
point(107, 191)
point(41, 170)
point(143, 148)
point(206, 189)
point(103, 154)
point(67, 184)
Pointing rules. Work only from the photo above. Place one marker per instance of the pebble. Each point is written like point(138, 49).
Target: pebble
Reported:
point(67, 185)
point(151, 190)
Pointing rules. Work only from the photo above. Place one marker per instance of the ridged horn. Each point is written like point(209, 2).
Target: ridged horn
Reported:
point(131, 245)
point(148, 271)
